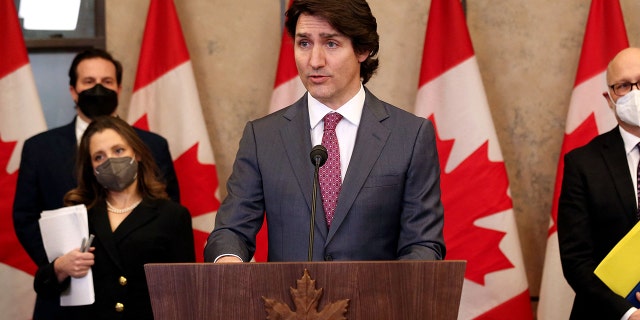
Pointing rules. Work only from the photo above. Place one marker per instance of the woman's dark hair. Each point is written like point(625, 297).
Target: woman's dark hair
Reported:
point(352, 18)
point(89, 191)
point(92, 54)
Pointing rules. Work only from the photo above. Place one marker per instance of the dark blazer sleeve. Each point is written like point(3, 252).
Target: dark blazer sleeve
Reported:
point(160, 151)
point(591, 220)
point(46, 283)
point(27, 206)
point(45, 175)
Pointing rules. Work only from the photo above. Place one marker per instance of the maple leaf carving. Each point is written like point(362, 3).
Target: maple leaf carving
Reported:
point(305, 298)
point(475, 189)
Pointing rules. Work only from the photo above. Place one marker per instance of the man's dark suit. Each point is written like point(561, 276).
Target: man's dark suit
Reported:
point(157, 231)
point(47, 172)
point(597, 208)
point(389, 207)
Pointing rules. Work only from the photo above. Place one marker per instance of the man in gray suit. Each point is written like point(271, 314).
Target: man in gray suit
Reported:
point(385, 161)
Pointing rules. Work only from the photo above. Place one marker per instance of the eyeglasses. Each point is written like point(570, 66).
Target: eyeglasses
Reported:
point(620, 89)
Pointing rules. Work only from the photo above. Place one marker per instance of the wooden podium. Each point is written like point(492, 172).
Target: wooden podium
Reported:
point(375, 290)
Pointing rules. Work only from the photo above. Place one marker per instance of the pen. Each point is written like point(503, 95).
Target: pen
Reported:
point(86, 245)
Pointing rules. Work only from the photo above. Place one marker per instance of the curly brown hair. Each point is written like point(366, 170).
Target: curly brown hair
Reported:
point(89, 191)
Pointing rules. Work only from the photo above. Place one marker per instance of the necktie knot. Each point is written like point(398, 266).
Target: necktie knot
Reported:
point(331, 120)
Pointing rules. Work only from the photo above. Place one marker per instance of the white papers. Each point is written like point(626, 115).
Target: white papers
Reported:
point(62, 231)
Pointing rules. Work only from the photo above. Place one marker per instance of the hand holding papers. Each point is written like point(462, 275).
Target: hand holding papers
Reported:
point(62, 230)
point(619, 269)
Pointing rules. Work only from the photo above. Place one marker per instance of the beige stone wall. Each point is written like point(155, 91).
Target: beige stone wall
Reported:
point(527, 52)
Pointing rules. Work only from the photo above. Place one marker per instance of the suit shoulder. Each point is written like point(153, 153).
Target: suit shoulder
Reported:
point(155, 142)
point(166, 206)
point(405, 118)
point(611, 139)
point(169, 204)
point(380, 107)
point(65, 134)
point(148, 135)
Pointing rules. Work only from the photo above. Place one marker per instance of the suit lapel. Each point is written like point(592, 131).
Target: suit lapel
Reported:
point(614, 155)
point(100, 221)
point(371, 138)
point(296, 138)
point(68, 149)
point(139, 217)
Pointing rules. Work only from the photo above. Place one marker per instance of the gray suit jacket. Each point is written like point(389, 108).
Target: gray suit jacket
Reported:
point(389, 207)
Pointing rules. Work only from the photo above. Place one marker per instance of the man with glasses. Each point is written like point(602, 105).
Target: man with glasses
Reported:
point(599, 198)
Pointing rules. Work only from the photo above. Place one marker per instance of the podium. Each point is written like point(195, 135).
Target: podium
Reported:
point(374, 289)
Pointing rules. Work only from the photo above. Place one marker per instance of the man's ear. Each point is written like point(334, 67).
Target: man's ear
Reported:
point(363, 56)
point(74, 94)
point(610, 102)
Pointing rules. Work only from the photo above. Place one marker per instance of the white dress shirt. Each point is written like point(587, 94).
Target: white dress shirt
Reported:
point(346, 130)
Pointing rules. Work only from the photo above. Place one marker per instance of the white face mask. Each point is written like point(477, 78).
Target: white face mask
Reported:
point(628, 108)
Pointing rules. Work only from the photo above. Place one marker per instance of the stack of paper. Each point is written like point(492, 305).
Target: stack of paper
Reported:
point(619, 269)
point(62, 231)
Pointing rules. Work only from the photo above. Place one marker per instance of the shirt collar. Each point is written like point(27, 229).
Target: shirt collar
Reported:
point(81, 126)
point(351, 111)
point(630, 140)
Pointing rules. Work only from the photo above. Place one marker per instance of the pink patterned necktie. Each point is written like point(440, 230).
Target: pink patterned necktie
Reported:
point(329, 174)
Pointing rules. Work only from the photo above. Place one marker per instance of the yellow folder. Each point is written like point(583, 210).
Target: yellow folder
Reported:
point(620, 269)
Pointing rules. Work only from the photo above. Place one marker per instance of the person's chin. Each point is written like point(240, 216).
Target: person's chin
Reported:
point(320, 93)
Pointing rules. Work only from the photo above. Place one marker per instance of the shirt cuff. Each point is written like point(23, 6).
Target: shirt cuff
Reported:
point(233, 255)
point(628, 313)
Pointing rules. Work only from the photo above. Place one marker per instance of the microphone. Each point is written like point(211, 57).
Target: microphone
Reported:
point(318, 156)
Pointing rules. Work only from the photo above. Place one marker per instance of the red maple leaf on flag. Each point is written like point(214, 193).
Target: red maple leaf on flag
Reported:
point(11, 251)
point(475, 189)
point(199, 194)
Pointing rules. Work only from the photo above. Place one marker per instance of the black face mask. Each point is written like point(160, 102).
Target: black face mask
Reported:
point(97, 101)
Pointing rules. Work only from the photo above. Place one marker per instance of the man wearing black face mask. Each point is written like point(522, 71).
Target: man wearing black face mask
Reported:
point(47, 164)
point(97, 101)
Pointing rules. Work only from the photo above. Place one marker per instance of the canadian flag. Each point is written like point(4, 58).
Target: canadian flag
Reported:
point(165, 100)
point(588, 116)
point(480, 226)
point(288, 87)
point(20, 118)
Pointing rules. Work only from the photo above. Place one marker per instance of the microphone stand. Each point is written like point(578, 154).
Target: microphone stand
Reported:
point(314, 196)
